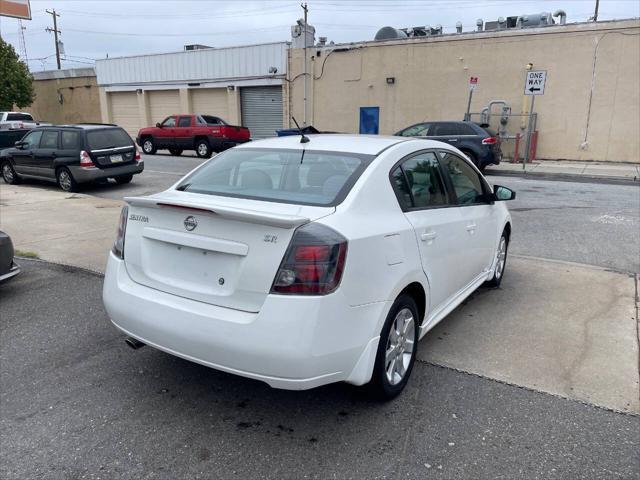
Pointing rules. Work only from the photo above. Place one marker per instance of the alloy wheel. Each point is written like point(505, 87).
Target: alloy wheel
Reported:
point(400, 345)
point(147, 146)
point(64, 179)
point(501, 257)
point(7, 173)
point(203, 149)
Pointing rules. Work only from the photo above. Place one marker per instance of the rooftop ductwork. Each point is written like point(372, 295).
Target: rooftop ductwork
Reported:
point(563, 16)
point(458, 27)
point(479, 24)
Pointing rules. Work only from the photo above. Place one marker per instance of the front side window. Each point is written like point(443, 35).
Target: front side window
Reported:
point(419, 130)
point(184, 122)
point(49, 139)
point(32, 140)
point(422, 185)
point(466, 181)
point(315, 178)
point(169, 122)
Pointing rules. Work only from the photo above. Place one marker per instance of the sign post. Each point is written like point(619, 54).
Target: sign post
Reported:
point(533, 86)
point(473, 82)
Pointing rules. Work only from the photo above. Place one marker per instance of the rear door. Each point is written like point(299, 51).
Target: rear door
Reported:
point(24, 158)
point(46, 153)
point(184, 132)
point(479, 217)
point(420, 187)
point(445, 132)
point(110, 147)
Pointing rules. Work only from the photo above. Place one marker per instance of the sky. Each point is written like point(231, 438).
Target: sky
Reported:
point(93, 29)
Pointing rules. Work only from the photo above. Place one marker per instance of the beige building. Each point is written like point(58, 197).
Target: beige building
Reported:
point(590, 109)
point(66, 96)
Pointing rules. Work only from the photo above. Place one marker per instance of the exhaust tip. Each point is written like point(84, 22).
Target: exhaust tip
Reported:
point(133, 343)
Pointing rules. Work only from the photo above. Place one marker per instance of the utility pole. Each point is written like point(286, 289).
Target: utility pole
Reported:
point(304, 116)
point(595, 14)
point(55, 33)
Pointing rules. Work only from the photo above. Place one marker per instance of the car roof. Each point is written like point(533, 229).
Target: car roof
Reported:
point(82, 126)
point(363, 144)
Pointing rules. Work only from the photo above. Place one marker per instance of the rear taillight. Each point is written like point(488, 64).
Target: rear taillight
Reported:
point(137, 157)
point(490, 141)
point(85, 160)
point(118, 246)
point(313, 263)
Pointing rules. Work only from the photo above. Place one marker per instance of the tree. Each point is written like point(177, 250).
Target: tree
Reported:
point(16, 83)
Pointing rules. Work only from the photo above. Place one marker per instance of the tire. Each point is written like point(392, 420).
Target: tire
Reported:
point(123, 179)
point(65, 180)
point(387, 381)
point(9, 175)
point(501, 261)
point(149, 146)
point(203, 149)
point(176, 152)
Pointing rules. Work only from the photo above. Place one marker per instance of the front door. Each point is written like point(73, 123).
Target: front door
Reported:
point(421, 191)
point(445, 132)
point(23, 157)
point(478, 214)
point(166, 136)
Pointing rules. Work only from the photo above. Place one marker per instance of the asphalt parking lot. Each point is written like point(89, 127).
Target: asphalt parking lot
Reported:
point(77, 403)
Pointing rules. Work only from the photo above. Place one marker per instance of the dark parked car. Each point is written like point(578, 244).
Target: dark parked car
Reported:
point(72, 154)
point(8, 268)
point(480, 144)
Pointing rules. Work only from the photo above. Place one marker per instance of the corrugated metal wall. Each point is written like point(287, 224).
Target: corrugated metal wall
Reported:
point(261, 110)
point(215, 63)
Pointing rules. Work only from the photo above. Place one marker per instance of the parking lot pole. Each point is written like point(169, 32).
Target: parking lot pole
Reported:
point(525, 158)
point(467, 116)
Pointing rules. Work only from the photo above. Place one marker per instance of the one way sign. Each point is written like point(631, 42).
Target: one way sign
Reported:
point(535, 82)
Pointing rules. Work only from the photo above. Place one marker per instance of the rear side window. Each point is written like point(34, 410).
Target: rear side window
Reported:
point(416, 130)
point(49, 139)
point(104, 139)
point(443, 130)
point(465, 129)
point(25, 117)
point(211, 120)
point(288, 176)
point(418, 182)
point(70, 140)
point(184, 122)
point(466, 182)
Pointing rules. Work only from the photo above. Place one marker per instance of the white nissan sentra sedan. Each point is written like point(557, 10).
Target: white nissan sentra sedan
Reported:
point(301, 264)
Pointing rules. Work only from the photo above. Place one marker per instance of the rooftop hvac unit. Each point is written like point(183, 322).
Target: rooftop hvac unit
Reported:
point(535, 20)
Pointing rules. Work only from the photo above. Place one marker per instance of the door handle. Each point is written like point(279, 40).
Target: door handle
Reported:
point(53, 155)
point(471, 227)
point(453, 139)
point(428, 236)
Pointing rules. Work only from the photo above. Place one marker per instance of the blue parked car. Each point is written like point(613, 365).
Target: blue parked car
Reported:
point(480, 144)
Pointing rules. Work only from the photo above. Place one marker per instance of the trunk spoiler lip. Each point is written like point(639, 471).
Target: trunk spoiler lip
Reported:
point(231, 213)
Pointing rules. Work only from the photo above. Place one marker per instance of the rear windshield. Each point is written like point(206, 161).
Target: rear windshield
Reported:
point(19, 116)
point(287, 176)
point(108, 138)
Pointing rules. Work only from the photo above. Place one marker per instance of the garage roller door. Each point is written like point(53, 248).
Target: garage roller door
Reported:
point(261, 110)
point(210, 101)
point(124, 109)
point(163, 103)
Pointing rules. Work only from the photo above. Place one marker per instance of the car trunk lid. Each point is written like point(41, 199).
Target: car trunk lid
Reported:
point(218, 250)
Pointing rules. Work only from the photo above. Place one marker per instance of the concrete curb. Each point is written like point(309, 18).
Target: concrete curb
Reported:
point(566, 177)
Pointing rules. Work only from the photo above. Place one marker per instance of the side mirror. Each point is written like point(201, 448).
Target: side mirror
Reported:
point(158, 125)
point(19, 145)
point(503, 194)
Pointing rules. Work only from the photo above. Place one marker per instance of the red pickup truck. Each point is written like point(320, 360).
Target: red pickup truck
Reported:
point(202, 133)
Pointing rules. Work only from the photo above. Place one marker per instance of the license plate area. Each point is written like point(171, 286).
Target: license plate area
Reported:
point(116, 158)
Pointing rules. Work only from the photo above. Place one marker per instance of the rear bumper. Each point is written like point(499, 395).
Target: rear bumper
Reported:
point(13, 271)
point(84, 175)
point(293, 343)
point(489, 157)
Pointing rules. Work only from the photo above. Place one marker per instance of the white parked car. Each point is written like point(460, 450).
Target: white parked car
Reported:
point(301, 264)
point(18, 120)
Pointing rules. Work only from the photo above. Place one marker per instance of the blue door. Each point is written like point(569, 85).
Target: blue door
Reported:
point(369, 120)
